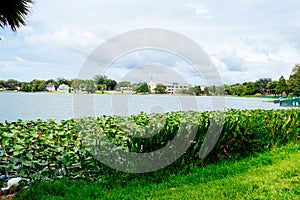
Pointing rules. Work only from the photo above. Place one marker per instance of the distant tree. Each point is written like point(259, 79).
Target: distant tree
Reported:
point(294, 81)
point(250, 88)
point(206, 90)
point(61, 81)
point(239, 90)
point(261, 85)
point(100, 79)
point(101, 87)
point(124, 84)
point(143, 88)
point(213, 90)
point(25, 87)
point(272, 87)
point(160, 89)
point(197, 90)
point(90, 86)
point(37, 85)
point(75, 84)
point(103, 80)
point(281, 86)
point(111, 84)
point(12, 84)
point(2, 84)
point(13, 13)
point(228, 90)
point(189, 91)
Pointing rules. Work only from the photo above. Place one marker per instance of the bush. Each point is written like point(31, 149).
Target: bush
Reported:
point(50, 150)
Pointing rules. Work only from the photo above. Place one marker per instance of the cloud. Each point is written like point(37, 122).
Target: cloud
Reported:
point(232, 60)
point(246, 39)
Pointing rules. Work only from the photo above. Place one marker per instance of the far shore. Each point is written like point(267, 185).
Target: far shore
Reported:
point(134, 93)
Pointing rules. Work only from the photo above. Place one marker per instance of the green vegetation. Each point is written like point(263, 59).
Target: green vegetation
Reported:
point(160, 89)
point(294, 80)
point(58, 151)
point(261, 88)
point(271, 175)
point(143, 88)
point(40, 148)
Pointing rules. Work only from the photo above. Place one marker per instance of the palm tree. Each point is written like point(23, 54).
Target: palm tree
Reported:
point(13, 13)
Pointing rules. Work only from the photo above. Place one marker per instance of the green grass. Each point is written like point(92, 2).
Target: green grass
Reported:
point(270, 175)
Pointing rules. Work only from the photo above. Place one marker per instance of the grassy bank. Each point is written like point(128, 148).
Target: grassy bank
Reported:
point(270, 175)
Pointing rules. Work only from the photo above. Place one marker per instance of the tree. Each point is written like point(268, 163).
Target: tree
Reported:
point(103, 80)
point(206, 90)
point(75, 85)
point(228, 90)
point(294, 81)
point(37, 85)
point(281, 86)
point(25, 87)
point(272, 87)
point(90, 86)
point(250, 88)
point(160, 89)
point(261, 85)
point(11, 84)
point(111, 84)
point(61, 81)
point(2, 84)
point(13, 13)
point(197, 90)
point(124, 84)
point(143, 88)
point(239, 90)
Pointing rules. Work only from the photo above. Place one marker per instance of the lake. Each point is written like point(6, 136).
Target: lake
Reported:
point(32, 106)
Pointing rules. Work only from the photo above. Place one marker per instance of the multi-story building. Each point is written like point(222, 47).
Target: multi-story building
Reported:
point(171, 87)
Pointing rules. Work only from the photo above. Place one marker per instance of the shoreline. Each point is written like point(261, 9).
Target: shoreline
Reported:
point(134, 93)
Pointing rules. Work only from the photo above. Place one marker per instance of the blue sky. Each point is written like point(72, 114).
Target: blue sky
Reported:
point(246, 39)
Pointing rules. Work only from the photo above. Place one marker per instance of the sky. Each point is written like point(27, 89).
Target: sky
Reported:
point(245, 39)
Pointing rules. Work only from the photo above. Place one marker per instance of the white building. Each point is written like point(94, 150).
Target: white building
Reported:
point(50, 88)
point(63, 87)
point(171, 87)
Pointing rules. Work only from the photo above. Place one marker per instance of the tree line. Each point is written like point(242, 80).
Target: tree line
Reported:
point(103, 83)
point(100, 83)
point(267, 86)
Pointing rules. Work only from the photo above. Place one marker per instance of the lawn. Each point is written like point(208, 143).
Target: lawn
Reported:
point(270, 175)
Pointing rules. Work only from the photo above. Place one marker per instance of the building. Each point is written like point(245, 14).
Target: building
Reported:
point(171, 87)
point(63, 87)
point(50, 87)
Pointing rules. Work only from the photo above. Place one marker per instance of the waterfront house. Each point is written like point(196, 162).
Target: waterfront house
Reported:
point(50, 87)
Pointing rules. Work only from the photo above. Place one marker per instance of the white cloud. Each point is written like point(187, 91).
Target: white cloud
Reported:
point(247, 39)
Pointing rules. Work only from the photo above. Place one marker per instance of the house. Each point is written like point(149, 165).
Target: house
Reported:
point(63, 87)
point(50, 87)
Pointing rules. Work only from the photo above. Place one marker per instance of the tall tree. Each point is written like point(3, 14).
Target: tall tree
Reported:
point(13, 13)
point(294, 80)
point(281, 86)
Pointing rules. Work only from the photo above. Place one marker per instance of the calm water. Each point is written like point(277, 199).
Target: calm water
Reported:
point(29, 106)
